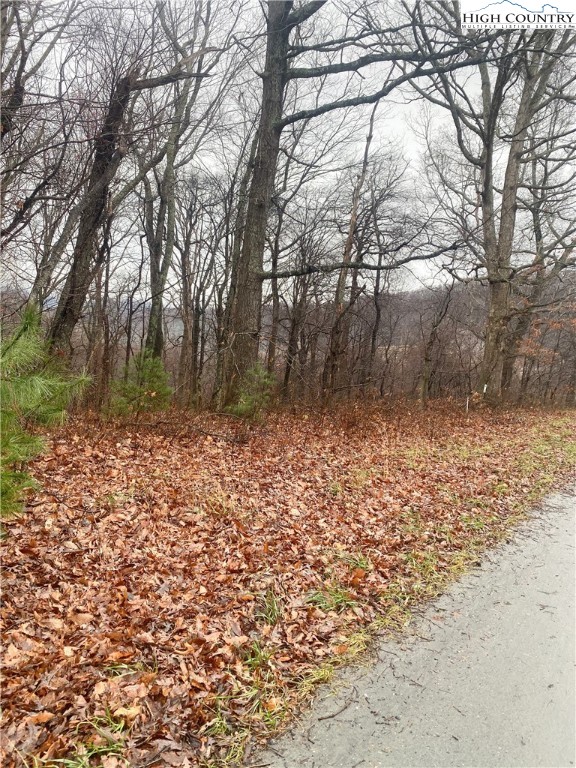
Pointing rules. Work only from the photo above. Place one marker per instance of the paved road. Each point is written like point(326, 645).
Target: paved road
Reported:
point(487, 680)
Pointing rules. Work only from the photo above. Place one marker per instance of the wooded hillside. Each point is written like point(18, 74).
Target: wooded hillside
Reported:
point(244, 192)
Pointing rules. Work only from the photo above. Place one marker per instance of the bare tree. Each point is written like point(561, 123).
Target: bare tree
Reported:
point(402, 46)
point(110, 147)
point(186, 133)
point(520, 76)
point(339, 333)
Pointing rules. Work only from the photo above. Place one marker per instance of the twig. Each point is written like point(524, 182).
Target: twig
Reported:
point(259, 765)
point(335, 714)
point(154, 759)
point(217, 435)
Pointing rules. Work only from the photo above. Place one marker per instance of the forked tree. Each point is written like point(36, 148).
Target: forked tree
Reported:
point(399, 50)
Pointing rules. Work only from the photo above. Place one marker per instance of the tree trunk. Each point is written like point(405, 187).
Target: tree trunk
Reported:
point(99, 352)
point(299, 313)
point(427, 366)
point(246, 312)
point(107, 157)
point(339, 333)
point(224, 365)
point(160, 236)
point(108, 154)
point(185, 362)
point(490, 384)
point(538, 70)
point(275, 320)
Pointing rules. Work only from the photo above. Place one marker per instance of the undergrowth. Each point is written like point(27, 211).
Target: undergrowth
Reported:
point(33, 391)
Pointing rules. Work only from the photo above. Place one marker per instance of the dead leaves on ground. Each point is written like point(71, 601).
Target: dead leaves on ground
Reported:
point(168, 588)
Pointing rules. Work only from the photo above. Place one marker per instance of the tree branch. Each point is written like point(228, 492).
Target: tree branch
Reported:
point(311, 269)
point(357, 101)
point(303, 13)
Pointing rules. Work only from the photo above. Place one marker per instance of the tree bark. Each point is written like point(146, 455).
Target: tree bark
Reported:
point(224, 330)
point(246, 311)
point(107, 158)
point(539, 63)
point(427, 366)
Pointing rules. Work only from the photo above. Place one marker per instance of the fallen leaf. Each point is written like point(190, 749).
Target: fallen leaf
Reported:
point(41, 717)
point(128, 712)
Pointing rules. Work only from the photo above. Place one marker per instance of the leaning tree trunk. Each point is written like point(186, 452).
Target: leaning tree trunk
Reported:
point(85, 263)
point(108, 153)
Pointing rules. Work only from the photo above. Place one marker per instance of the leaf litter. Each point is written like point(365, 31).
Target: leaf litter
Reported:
point(173, 588)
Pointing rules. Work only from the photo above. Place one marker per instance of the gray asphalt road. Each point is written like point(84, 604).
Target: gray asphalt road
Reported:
point(487, 679)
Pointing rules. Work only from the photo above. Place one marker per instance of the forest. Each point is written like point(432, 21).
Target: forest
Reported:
point(289, 339)
point(313, 201)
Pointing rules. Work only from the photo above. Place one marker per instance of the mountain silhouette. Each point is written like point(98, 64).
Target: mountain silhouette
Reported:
point(545, 8)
